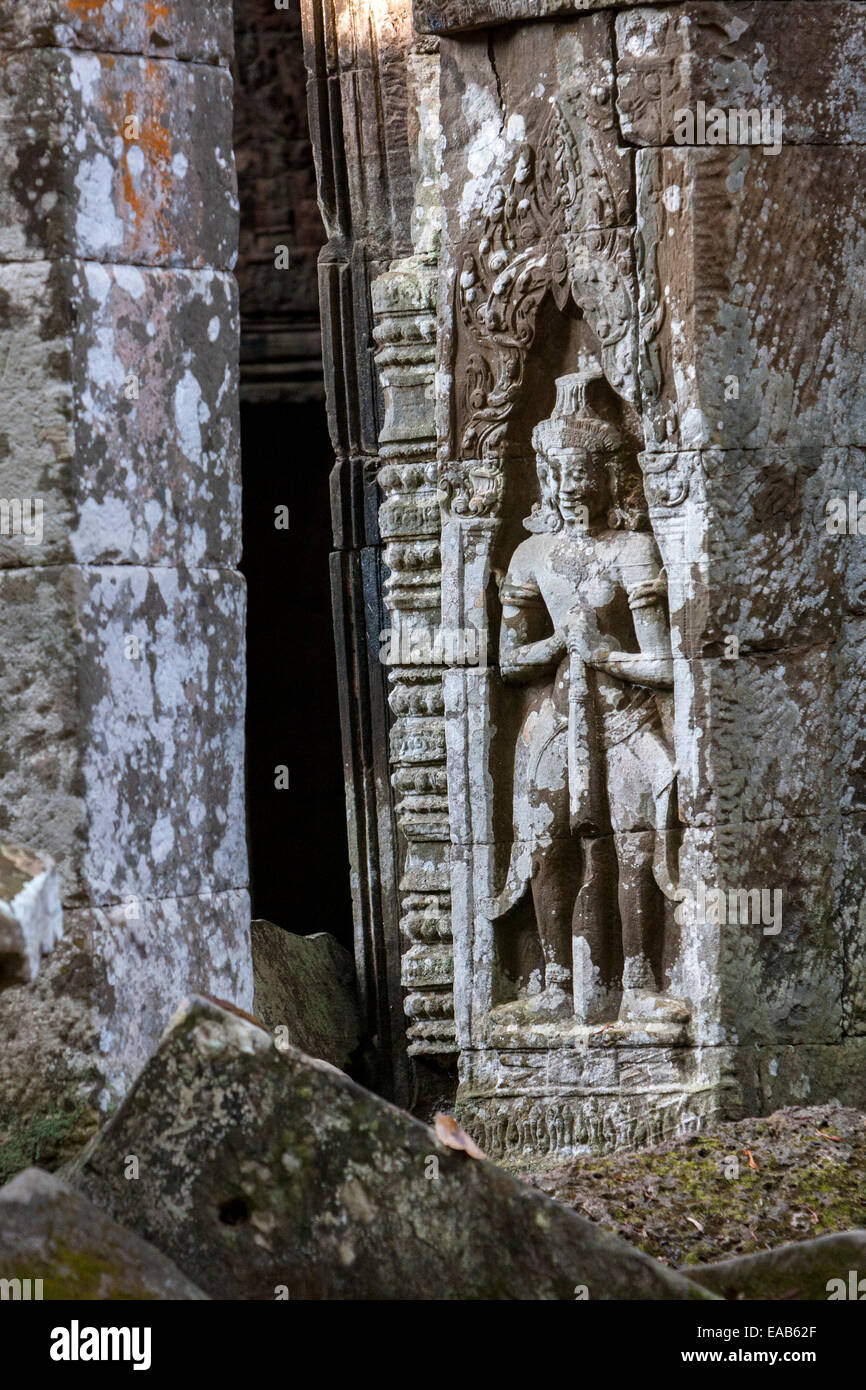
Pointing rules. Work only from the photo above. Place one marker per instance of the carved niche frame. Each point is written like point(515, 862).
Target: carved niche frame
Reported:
point(560, 230)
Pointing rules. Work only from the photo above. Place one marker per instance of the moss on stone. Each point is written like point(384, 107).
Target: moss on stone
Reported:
point(676, 1203)
point(45, 1140)
point(80, 1274)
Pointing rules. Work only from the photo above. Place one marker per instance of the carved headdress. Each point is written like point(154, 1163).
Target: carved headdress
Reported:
point(575, 425)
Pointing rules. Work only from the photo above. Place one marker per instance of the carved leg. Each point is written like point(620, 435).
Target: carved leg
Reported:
point(667, 846)
point(639, 909)
point(596, 990)
point(555, 882)
point(641, 913)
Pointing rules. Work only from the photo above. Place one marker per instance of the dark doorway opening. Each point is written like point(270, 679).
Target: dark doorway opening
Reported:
point(297, 835)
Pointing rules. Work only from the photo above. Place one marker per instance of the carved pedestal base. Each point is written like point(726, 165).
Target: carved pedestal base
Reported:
point(550, 1100)
point(592, 1093)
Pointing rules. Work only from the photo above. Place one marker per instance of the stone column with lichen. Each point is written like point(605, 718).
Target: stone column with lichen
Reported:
point(121, 609)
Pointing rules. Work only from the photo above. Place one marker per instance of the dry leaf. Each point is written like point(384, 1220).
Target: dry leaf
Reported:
point(750, 1157)
point(449, 1133)
point(837, 1138)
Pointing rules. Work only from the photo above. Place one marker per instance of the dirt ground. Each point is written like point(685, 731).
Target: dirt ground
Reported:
point(735, 1188)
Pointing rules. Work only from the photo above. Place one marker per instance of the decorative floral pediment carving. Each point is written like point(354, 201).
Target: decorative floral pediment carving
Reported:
point(553, 228)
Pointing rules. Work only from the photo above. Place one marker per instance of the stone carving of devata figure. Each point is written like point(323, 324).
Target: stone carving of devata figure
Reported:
point(594, 787)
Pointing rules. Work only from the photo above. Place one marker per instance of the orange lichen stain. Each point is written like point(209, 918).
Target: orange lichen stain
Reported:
point(86, 9)
point(157, 12)
point(154, 141)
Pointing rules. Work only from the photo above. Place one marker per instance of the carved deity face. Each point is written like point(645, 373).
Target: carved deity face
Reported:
point(578, 482)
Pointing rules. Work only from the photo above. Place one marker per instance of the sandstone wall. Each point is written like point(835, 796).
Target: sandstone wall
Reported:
point(281, 339)
point(720, 287)
point(122, 668)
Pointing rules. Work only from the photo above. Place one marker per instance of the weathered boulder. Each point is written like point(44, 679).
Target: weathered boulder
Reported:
point(829, 1267)
point(306, 986)
point(264, 1174)
point(31, 916)
point(50, 1233)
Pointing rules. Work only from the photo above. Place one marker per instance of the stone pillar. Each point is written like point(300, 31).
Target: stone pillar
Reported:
point(122, 676)
point(355, 51)
point(405, 304)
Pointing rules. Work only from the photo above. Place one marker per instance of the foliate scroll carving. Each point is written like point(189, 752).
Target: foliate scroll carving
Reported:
point(472, 488)
point(596, 207)
point(601, 285)
point(554, 227)
point(501, 283)
point(660, 415)
point(666, 479)
point(600, 192)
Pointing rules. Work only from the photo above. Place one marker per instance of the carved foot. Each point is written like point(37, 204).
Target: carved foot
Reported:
point(645, 1006)
point(550, 1003)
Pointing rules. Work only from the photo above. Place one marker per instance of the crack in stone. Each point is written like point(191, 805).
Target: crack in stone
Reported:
point(498, 80)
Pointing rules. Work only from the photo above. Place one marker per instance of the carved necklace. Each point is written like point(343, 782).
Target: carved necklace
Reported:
point(576, 558)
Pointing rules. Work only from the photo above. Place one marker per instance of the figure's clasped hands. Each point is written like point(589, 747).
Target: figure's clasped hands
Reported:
point(599, 657)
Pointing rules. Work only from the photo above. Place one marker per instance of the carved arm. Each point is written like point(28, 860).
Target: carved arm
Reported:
point(520, 659)
point(653, 664)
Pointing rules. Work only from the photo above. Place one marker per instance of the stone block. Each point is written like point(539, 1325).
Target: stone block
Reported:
point(768, 741)
point(802, 59)
point(363, 60)
point(305, 986)
point(807, 1269)
point(75, 1039)
point(752, 560)
point(748, 346)
point(551, 1103)
point(852, 869)
point(843, 518)
point(269, 1170)
point(770, 1076)
point(116, 158)
point(496, 100)
point(452, 16)
point(119, 403)
point(761, 957)
point(122, 695)
point(850, 750)
point(53, 1235)
point(181, 29)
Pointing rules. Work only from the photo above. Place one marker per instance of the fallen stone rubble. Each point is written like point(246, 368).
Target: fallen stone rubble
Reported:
point(239, 1169)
